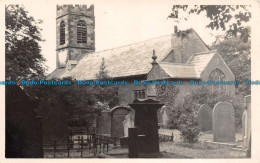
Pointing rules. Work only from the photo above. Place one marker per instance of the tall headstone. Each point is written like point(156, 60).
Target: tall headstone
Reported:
point(205, 117)
point(165, 117)
point(118, 115)
point(244, 123)
point(247, 122)
point(223, 122)
point(104, 123)
point(128, 123)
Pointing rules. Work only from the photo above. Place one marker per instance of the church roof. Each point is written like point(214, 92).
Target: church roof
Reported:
point(201, 60)
point(190, 70)
point(182, 71)
point(130, 60)
point(135, 59)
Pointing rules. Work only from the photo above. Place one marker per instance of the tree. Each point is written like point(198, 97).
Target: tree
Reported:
point(22, 50)
point(84, 101)
point(220, 16)
point(105, 93)
point(102, 75)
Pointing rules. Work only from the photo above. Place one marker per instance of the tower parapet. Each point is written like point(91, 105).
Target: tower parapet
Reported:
point(75, 9)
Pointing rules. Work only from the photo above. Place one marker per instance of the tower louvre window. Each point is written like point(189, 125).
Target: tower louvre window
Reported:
point(62, 33)
point(81, 32)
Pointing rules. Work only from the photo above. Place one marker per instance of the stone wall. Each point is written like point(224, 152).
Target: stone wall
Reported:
point(126, 92)
point(218, 63)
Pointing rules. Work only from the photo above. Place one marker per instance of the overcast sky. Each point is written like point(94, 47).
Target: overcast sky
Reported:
point(118, 23)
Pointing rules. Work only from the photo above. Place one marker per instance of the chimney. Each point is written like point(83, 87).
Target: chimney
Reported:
point(176, 46)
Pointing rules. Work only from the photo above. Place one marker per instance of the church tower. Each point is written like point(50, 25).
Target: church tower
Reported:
point(75, 34)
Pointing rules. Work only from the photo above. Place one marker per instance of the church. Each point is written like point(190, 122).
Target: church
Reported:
point(179, 56)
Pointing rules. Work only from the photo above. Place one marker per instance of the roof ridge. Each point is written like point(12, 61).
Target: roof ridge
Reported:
point(215, 50)
point(182, 64)
point(130, 44)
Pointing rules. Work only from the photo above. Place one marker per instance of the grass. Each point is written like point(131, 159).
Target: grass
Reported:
point(176, 149)
point(199, 150)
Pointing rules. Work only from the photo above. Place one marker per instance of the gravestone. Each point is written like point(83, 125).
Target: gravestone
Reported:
point(165, 117)
point(244, 124)
point(205, 117)
point(128, 123)
point(145, 133)
point(223, 122)
point(118, 115)
point(247, 122)
point(104, 123)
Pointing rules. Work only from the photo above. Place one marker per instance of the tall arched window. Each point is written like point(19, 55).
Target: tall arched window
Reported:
point(62, 33)
point(81, 32)
point(217, 75)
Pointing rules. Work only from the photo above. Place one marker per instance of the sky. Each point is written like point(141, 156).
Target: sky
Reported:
point(119, 23)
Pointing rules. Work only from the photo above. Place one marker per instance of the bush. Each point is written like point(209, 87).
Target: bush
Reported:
point(188, 120)
point(190, 134)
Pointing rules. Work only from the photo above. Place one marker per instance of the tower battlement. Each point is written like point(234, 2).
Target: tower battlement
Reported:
point(75, 9)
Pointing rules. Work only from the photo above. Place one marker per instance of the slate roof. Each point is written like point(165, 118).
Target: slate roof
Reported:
point(201, 60)
point(135, 59)
point(183, 71)
point(58, 73)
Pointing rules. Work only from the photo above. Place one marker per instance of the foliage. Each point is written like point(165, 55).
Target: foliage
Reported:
point(188, 120)
point(103, 74)
point(84, 101)
point(220, 16)
point(166, 94)
point(22, 50)
point(184, 115)
point(190, 133)
point(106, 93)
point(237, 55)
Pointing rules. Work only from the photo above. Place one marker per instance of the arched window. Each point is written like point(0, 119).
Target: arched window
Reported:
point(62, 33)
point(217, 75)
point(81, 32)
